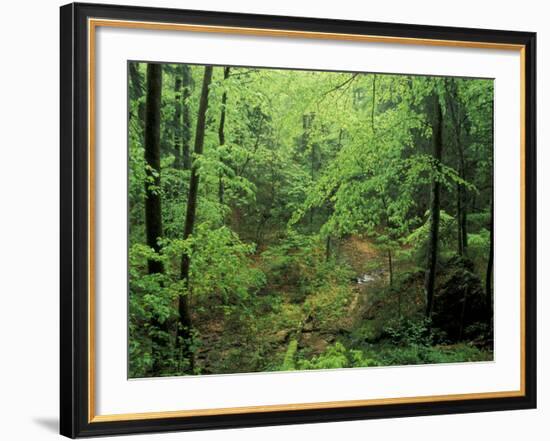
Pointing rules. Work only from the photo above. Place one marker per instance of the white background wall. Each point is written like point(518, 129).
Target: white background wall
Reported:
point(29, 206)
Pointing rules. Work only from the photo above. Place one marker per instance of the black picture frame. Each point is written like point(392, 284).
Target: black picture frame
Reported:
point(74, 326)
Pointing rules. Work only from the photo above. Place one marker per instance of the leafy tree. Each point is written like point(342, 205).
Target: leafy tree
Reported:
point(185, 322)
point(284, 219)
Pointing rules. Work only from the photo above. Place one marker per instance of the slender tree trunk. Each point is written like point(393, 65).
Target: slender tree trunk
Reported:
point(136, 86)
point(461, 203)
point(185, 324)
point(399, 304)
point(464, 221)
point(327, 248)
point(221, 135)
point(178, 120)
point(464, 218)
point(249, 155)
point(153, 209)
point(459, 242)
point(433, 245)
point(136, 91)
point(312, 209)
point(390, 267)
point(462, 233)
point(489, 274)
point(307, 122)
point(266, 215)
point(186, 116)
point(390, 235)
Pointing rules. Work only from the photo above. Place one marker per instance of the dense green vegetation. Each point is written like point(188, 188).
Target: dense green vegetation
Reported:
point(284, 219)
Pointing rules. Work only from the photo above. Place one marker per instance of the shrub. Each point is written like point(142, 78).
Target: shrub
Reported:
point(407, 332)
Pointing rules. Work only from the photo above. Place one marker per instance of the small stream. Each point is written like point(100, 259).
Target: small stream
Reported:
point(318, 341)
point(370, 276)
point(365, 278)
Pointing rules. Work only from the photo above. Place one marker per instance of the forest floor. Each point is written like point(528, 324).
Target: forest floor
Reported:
point(365, 260)
point(367, 266)
point(366, 309)
point(366, 263)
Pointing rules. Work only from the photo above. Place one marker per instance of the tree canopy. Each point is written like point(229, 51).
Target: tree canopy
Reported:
point(286, 219)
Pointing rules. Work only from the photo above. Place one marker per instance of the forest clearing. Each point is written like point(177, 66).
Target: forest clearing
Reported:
point(293, 220)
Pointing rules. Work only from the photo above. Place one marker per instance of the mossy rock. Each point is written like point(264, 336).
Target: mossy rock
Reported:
point(459, 302)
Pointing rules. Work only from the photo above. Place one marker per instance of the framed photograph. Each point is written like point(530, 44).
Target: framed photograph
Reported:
point(273, 220)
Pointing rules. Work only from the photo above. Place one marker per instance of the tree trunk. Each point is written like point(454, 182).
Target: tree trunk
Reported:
point(307, 123)
point(136, 86)
point(185, 324)
point(178, 120)
point(186, 116)
point(390, 267)
point(459, 241)
point(461, 211)
point(463, 221)
point(489, 274)
point(153, 209)
point(312, 208)
point(399, 304)
point(390, 236)
point(437, 139)
point(135, 91)
point(221, 135)
point(461, 197)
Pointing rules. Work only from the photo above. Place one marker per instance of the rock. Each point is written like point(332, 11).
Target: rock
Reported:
point(314, 343)
point(282, 336)
point(459, 302)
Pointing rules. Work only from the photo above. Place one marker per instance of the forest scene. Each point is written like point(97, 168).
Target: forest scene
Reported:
point(294, 220)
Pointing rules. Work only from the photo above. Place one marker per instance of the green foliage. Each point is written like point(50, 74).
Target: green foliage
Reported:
point(407, 332)
point(338, 356)
point(298, 265)
point(288, 362)
point(150, 306)
point(312, 187)
point(327, 306)
point(418, 239)
point(335, 357)
point(419, 354)
point(478, 244)
point(293, 262)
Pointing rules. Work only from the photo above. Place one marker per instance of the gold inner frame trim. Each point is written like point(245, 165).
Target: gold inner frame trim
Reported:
point(300, 406)
point(92, 25)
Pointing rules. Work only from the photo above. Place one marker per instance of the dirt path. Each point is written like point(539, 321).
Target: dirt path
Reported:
point(359, 254)
point(366, 262)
